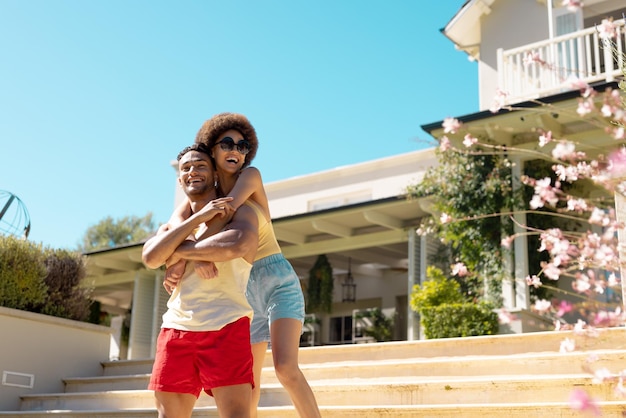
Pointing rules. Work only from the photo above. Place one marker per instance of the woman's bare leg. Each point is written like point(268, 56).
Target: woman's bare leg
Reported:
point(258, 355)
point(285, 336)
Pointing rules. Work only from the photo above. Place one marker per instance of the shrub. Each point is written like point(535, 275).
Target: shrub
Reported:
point(320, 288)
point(45, 281)
point(444, 312)
point(382, 326)
point(65, 297)
point(459, 320)
point(22, 270)
point(435, 291)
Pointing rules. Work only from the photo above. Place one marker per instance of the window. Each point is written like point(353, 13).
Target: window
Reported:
point(340, 330)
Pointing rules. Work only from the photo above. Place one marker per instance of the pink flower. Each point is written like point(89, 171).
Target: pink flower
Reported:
point(584, 107)
point(444, 143)
point(601, 375)
point(581, 284)
point(445, 218)
point(508, 241)
point(551, 271)
point(542, 305)
point(572, 5)
point(617, 163)
point(579, 327)
point(533, 281)
point(618, 133)
point(606, 29)
point(544, 192)
point(579, 400)
point(564, 150)
point(619, 388)
point(469, 140)
point(576, 205)
point(505, 317)
point(545, 138)
point(459, 269)
point(576, 83)
point(567, 346)
point(499, 101)
point(451, 125)
point(564, 307)
point(599, 217)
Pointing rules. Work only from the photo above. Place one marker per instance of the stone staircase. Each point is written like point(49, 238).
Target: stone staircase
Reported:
point(517, 375)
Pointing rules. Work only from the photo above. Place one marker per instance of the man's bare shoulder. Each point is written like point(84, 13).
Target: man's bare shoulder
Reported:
point(246, 216)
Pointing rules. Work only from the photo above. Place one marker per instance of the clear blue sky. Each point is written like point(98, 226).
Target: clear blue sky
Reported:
point(98, 97)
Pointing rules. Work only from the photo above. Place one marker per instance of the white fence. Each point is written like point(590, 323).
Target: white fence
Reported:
point(544, 68)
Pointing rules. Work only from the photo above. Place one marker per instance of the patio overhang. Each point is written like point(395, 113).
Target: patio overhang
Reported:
point(520, 124)
point(372, 234)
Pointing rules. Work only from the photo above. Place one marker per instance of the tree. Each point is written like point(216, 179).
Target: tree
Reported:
point(109, 233)
point(569, 199)
point(472, 186)
point(578, 213)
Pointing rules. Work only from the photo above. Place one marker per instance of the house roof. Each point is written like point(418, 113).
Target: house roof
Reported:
point(464, 28)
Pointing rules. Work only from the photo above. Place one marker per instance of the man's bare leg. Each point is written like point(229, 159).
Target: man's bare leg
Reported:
point(233, 401)
point(174, 405)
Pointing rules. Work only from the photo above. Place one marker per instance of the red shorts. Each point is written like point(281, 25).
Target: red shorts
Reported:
point(189, 361)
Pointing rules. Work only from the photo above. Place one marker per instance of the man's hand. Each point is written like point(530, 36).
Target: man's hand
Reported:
point(173, 275)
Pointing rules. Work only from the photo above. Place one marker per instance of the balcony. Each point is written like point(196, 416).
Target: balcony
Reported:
point(545, 68)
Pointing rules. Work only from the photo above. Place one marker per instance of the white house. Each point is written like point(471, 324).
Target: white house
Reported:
point(358, 215)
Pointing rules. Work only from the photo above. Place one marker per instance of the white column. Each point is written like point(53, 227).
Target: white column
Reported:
point(620, 214)
point(520, 246)
point(413, 277)
point(508, 283)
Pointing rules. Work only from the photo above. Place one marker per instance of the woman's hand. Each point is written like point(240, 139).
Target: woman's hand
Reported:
point(173, 274)
point(206, 269)
point(215, 207)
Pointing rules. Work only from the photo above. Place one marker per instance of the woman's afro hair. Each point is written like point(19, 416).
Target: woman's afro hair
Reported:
point(222, 122)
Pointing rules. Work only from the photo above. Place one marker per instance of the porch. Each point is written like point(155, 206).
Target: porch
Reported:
point(545, 68)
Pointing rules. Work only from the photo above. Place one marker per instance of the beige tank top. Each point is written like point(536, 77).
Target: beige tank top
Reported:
point(268, 244)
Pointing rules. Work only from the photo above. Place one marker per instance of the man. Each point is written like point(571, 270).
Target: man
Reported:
point(204, 341)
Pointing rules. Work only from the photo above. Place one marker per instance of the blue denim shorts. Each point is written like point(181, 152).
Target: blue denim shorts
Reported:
point(274, 292)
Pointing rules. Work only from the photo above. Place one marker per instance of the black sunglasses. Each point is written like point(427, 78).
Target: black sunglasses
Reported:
point(229, 144)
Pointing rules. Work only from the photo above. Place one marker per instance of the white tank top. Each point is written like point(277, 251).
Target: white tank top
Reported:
point(199, 304)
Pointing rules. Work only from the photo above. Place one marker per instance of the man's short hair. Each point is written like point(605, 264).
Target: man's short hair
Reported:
point(195, 147)
point(222, 122)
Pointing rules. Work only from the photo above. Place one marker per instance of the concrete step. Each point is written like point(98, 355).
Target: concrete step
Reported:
point(443, 367)
point(508, 344)
point(608, 409)
point(127, 367)
point(506, 375)
point(544, 363)
point(405, 390)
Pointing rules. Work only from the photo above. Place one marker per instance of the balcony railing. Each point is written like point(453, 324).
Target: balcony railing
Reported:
point(545, 68)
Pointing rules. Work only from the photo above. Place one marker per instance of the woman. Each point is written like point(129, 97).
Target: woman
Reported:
point(273, 290)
